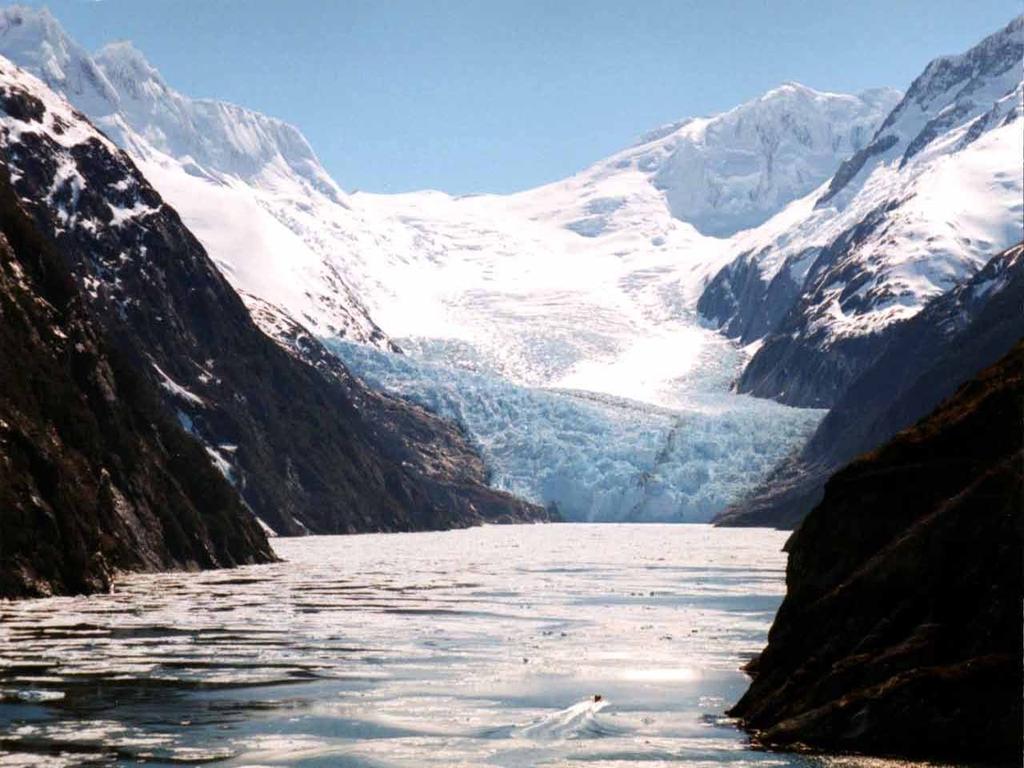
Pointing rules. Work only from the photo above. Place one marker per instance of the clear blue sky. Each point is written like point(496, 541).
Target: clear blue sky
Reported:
point(470, 96)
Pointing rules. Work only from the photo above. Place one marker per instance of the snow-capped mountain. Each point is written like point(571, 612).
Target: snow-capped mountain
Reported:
point(735, 170)
point(595, 283)
point(934, 195)
point(307, 449)
point(590, 282)
point(247, 185)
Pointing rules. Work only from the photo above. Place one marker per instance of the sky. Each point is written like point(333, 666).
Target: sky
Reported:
point(496, 96)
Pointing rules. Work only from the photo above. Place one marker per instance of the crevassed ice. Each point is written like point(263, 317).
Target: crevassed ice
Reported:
point(596, 457)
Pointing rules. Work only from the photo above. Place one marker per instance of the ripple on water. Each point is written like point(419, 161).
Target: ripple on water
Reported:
point(466, 648)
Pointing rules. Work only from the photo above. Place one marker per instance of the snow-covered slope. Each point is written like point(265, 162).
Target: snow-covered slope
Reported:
point(934, 195)
point(735, 170)
point(247, 185)
point(591, 282)
point(580, 283)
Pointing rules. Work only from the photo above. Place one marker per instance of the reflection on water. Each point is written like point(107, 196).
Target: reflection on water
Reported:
point(611, 645)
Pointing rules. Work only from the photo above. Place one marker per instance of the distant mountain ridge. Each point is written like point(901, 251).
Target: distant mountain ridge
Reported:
point(735, 170)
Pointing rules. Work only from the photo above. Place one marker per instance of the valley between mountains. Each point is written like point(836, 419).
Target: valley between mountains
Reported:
point(595, 339)
point(802, 313)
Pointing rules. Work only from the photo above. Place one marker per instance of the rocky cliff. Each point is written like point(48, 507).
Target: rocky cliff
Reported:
point(900, 633)
point(295, 443)
point(94, 476)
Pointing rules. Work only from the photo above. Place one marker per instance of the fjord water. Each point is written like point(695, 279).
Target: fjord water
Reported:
point(480, 647)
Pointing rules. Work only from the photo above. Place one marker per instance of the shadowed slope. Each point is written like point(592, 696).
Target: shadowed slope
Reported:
point(901, 629)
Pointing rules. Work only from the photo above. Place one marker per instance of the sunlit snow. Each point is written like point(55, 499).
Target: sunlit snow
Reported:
point(558, 325)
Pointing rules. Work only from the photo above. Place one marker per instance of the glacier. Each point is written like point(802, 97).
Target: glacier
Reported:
point(596, 457)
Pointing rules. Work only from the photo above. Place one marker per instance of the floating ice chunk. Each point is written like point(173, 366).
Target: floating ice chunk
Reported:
point(33, 696)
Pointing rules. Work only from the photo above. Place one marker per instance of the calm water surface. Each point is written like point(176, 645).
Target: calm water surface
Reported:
point(482, 647)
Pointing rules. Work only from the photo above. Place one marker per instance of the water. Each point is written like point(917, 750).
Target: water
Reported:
point(483, 647)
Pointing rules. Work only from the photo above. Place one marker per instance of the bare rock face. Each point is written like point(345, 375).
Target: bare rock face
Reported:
point(94, 476)
point(901, 631)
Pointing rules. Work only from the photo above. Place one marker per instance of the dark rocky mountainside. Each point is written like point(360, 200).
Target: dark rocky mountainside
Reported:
point(295, 443)
point(923, 361)
point(901, 631)
point(803, 361)
point(94, 477)
point(743, 303)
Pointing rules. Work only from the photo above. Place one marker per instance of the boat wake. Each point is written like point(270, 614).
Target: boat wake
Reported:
point(582, 720)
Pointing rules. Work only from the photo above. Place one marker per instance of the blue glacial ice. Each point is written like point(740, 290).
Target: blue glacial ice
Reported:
point(597, 457)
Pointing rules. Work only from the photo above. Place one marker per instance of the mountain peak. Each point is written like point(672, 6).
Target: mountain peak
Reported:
point(792, 86)
point(735, 170)
point(34, 40)
point(128, 97)
point(791, 89)
point(124, 55)
point(949, 78)
point(976, 86)
point(30, 23)
point(128, 70)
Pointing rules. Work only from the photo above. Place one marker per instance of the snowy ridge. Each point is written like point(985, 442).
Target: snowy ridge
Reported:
point(735, 170)
point(214, 135)
point(585, 282)
point(932, 198)
point(572, 284)
point(120, 85)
